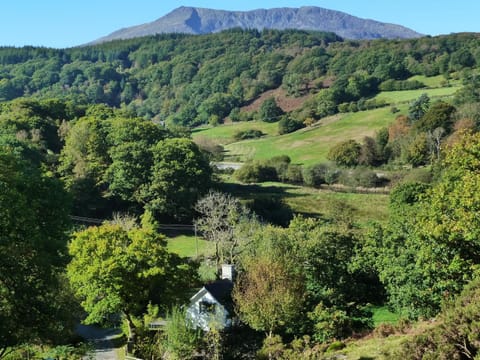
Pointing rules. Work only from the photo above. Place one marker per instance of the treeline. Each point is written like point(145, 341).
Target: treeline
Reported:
point(109, 160)
point(190, 80)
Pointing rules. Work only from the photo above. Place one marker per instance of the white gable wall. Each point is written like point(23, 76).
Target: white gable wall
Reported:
point(205, 320)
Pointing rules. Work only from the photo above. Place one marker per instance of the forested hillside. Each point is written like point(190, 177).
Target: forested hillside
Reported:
point(191, 80)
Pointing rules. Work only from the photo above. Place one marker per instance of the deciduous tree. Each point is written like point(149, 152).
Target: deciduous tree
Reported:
point(34, 212)
point(118, 271)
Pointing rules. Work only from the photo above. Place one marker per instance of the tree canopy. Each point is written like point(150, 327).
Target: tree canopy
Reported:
point(32, 253)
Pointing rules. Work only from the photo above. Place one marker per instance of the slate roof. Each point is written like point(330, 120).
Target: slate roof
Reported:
point(221, 290)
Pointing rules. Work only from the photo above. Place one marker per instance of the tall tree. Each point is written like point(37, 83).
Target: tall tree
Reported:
point(114, 270)
point(270, 111)
point(34, 219)
point(220, 217)
point(180, 175)
point(430, 247)
point(269, 295)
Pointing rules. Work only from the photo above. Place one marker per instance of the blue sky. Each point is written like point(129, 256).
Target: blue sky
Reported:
point(66, 23)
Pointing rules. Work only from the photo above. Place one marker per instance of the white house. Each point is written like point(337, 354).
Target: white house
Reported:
point(212, 305)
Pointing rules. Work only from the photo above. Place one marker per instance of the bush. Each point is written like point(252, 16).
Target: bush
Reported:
point(294, 174)
point(456, 334)
point(280, 163)
point(346, 153)
point(248, 134)
point(336, 323)
point(179, 339)
point(287, 125)
point(360, 177)
point(254, 172)
point(314, 175)
point(397, 85)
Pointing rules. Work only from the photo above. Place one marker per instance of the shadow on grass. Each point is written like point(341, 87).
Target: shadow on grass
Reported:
point(253, 190)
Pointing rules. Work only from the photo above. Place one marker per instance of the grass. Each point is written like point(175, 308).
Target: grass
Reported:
point(382, 315)
point(396, 97)
point(311, 145)
point(381, 347)
point(224, 133)
point(186, 246)
point(316, 202)
point(378, 348)
point(435, 81)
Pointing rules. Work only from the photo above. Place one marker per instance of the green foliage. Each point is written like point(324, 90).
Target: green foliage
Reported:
point(456, 333)
point(440, 114)
point(256, 171)
point(360, 177)
point(407, 194)
point(180, 175)
point(248, 134)
point(200, 79)
point(287, 125)
point(418, 108)
point(114, 270)
point(269, 294)
point(35, 304)
point(417, 151)
point(179, 340)
point(316, 175)
point(270, 111)
point(429, 249)
point(399, 85)
point(346, 153)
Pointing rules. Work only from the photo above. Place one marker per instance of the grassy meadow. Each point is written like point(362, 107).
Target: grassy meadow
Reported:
point(189, 246)
point(311, 145)
point(315, 202)
point(224, 133)
point(405, 96)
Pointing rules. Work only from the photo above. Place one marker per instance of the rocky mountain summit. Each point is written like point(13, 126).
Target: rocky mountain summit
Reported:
point(192, 20)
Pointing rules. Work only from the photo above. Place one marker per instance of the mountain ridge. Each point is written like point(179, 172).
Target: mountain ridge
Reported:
point(197, 20)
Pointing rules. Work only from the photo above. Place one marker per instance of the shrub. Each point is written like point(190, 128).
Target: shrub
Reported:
point(280, 163)
point(315, 175)
point(294, 174)
point(360, 177)
point(255, 171)
point(287, 125)
point(179, 339)
point(248, 134)
point(457, 332)
point(346, 153)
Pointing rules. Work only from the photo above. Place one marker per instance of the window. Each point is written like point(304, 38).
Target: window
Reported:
point(206, 307)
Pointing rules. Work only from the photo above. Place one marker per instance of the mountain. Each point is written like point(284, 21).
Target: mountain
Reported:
point(192, 20)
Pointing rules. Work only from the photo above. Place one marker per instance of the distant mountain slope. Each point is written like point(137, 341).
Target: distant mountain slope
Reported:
point(192, 20)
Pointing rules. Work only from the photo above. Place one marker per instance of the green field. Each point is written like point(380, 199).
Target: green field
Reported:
point(316, 202)
point(397, 97)
point(311, 145)
point(186, 246)
point(224, 133)
point(433, 81)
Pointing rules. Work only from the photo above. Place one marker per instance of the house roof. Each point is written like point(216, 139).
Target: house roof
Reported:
point(221, 290)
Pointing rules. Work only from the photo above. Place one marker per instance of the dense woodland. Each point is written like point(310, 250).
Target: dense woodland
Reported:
point(105, 131)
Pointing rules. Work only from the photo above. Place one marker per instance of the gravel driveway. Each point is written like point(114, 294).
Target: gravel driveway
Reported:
point(101, 340)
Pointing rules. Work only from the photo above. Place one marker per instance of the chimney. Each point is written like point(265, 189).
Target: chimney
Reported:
point(228, 272)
